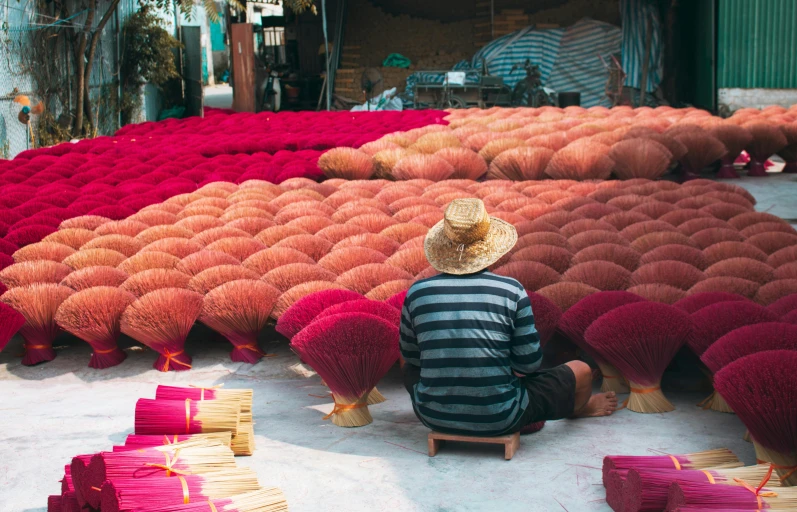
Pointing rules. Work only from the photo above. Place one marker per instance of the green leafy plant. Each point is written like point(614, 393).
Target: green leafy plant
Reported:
point(147, 57)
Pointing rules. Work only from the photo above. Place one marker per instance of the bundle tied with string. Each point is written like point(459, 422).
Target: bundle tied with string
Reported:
point(640, 340)
point(186, 458)
point(762, 391)
point(38, 303)
point(304, 310)
point(127, 494)
point(575, 322)
point(94, 315)
point(700, 460)
point(646, 490)
point(238, 310)
point(169, 417)
point(268, 499)
point(351, 352)
point(715, 321)
point(243, 442)
point(136, 442)
point(745, 496)
point(162, 320)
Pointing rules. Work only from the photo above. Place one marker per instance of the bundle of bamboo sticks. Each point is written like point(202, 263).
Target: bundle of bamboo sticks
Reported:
point(181, 459)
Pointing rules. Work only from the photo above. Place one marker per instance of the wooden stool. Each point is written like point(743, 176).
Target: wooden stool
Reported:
point(511, 442)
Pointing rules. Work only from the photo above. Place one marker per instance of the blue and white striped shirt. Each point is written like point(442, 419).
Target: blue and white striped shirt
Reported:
point(467, 334)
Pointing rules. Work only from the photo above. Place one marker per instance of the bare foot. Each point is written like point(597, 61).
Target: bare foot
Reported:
point(601, 404)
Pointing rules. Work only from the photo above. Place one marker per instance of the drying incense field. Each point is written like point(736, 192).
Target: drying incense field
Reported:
point(204, 251)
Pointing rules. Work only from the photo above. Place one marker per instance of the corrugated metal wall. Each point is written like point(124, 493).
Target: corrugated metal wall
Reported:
point(757, 44)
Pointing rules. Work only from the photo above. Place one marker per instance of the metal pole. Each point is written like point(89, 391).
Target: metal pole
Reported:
point(326, 51)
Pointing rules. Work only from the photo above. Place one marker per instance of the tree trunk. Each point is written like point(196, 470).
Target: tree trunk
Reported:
point(92, 50)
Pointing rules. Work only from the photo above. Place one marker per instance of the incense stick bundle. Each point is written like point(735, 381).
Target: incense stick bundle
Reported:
point(269, 499)
point(78, 468)
point(351, 352)
point(716, 497)
point(699, 460)
point(647, 490)
point(168, 417)
point(69, 503)
point(192, 457)
point(133, 493)
point(243, 443)
point(614, 489)
point(38, 303)
point(66, 482)
point(134, 442)
point(93, 315)
point(162, 320)
point(54, 503)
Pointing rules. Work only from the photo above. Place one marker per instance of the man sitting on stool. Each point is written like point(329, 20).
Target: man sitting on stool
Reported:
point(471, 351)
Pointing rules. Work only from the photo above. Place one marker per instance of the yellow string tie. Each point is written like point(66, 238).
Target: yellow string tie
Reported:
point(676, 463)
point(212, 507)
point(186, 499)
point(187, 415)
point(339, 408)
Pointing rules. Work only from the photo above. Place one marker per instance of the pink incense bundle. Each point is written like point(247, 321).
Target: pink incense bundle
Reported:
point(722, 497)
point(239, 310)
point(94, 315)
point(69, 502)
point(135, 442)
point(614, 484)
point(199, 393)
point(78, 468)
point(699, 460)
point(161, 320)
point(647, 490)
point(350, 352)
point(66, 482)
point(640, 340)
point(38, 303)
point(134, 493)
point(762, 391)
point(576, 320)
point(169, 417)
point(269, 499)
point(158, 463)
point(304, 310)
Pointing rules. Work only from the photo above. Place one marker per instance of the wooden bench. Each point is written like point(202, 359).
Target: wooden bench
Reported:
point(511, 442)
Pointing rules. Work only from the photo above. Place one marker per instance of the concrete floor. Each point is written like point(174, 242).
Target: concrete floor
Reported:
point(54, 411)
point(218, 96)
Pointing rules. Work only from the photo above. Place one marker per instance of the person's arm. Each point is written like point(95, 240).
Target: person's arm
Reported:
point(525, 354)
point(410, 351)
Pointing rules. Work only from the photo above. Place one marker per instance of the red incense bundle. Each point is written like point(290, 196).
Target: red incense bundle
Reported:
point(66, 482)
point(239, 310)
point(762, 390)
point(575, 321)
point(78, 468)
point(269, 499)
point(188, 416)
point(165, 461)
point(54, 503)
point(161, 320)
point(133, 493)
point(746, 496)
point(10, 322)
point(304, 310)
point(614, 489)
point(699, 460)
point(351, 352)
point(640, 340)
point(69, 503)
point(38, 303)
point(647, 490)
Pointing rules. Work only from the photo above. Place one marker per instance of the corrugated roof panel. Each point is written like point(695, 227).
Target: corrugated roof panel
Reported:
point(757, 44)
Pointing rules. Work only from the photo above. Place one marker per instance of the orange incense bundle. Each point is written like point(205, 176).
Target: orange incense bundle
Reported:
point(239, 310)
point(94, 316)
point(162, 320)
point(38, 303)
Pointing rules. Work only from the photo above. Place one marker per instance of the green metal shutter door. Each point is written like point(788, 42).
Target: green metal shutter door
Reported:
point(757, 44)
